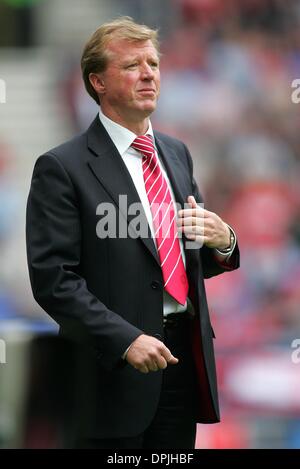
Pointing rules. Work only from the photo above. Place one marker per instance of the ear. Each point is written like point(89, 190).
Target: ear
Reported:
point(97, 82)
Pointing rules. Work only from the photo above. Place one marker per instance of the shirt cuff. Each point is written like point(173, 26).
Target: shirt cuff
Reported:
point(125, 353)
point(225, 255)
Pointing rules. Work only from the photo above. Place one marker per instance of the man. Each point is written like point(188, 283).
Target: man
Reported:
point(136, 302)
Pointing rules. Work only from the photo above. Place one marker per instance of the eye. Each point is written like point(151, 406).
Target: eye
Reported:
point(132, 65)
point(154, 64)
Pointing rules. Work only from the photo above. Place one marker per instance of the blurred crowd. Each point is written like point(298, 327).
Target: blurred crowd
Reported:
point(227, 68)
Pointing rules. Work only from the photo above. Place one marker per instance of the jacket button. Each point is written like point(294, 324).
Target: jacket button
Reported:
point(155, 285)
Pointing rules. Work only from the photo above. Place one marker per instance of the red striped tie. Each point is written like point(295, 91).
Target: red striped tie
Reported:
point(163, 216)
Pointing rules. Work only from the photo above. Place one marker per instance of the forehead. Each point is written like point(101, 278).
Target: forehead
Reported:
point(121, 49)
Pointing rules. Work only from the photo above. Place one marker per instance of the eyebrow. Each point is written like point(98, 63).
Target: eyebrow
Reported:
point(136, 58)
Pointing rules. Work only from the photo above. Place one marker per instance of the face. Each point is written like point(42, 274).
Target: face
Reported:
point(130, 85)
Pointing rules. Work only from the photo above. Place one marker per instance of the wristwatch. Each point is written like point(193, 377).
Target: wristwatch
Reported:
point(232, 243)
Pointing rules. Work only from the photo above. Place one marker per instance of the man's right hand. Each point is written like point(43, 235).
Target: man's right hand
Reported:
point(147, 353)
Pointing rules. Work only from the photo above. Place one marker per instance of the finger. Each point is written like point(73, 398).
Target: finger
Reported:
point(191, 212)
point(161, 363)
point(195, 239)
point(173, 360)
point(166, 354)
point(153, 366)
point(192, 230)
point(191, 200)
point(170, 359)
point(196, 211)
point(142, 367)
point(190, 225)
point(191, 220)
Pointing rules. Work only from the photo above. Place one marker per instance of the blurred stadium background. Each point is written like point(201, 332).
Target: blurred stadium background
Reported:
point(227, 70)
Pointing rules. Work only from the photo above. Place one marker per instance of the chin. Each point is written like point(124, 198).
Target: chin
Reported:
point(149, 107)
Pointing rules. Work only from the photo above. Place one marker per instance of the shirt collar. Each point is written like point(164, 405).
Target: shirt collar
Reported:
point(121, 137)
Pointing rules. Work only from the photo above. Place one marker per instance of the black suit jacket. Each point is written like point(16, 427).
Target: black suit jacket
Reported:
point(105, 292)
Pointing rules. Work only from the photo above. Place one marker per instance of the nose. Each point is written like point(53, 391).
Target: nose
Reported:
point(147, 72)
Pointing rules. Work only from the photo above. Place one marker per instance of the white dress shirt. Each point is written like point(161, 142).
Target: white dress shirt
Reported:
point(123, 138)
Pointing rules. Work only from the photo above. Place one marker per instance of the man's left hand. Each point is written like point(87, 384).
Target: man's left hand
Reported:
point(203, 226)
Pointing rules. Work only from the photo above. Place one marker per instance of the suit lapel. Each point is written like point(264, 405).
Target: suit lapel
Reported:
point(173, 169)
point(112, 173)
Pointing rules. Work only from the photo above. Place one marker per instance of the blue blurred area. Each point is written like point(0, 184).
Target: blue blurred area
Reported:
point(12, 320)
point(7, 310)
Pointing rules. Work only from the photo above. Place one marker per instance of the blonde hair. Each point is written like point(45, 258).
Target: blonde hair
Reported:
point(95, 55)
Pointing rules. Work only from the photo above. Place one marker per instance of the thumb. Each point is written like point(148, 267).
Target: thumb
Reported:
point(191, 200)
point(173, 360)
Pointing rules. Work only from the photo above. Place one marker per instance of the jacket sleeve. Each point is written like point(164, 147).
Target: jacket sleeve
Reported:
point(53, 236)
point(210, 263)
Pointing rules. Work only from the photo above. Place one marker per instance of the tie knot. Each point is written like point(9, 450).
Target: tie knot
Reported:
point(144, 144)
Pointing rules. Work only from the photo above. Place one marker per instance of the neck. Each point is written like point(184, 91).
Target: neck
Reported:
point(137, 126)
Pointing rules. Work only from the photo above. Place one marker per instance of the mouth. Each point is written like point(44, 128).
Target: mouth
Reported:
point(147, 91)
